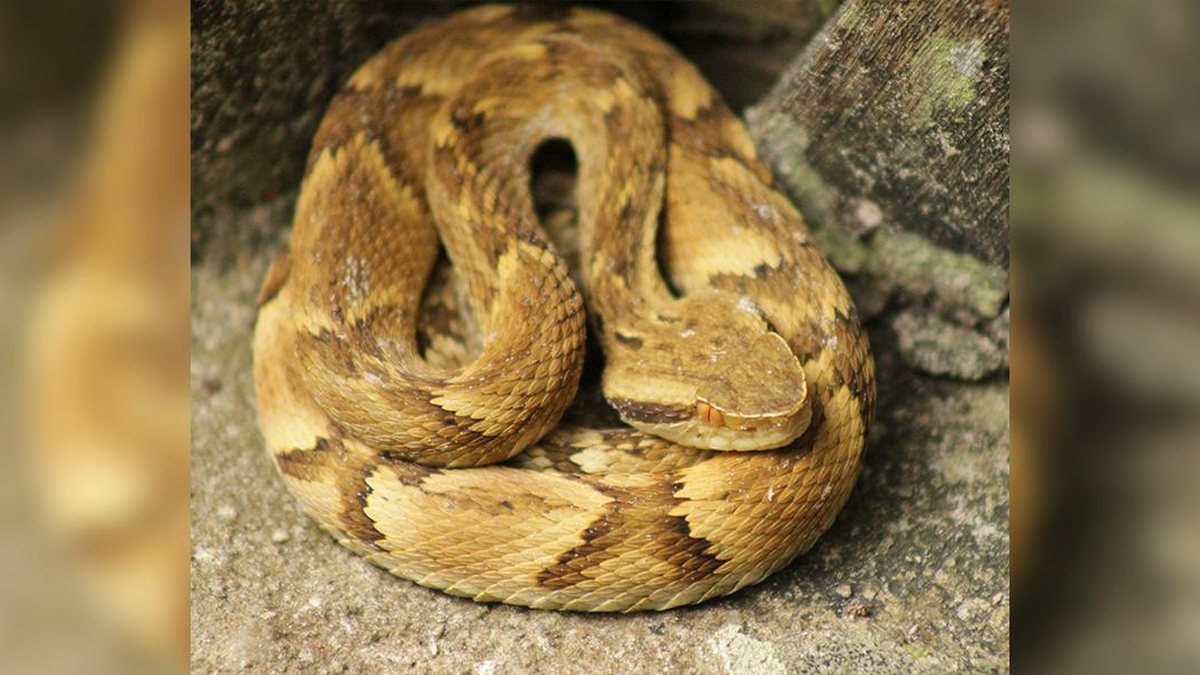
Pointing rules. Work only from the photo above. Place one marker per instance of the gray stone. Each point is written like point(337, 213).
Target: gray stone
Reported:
point(921, 270)
point(933, 345)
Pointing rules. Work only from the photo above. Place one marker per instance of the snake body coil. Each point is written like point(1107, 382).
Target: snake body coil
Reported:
point(424, 427)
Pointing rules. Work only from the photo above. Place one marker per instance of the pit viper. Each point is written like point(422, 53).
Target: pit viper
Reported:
point(421, 337)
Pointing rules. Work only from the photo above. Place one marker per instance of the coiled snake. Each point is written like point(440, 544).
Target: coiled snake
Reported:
point(422, 427)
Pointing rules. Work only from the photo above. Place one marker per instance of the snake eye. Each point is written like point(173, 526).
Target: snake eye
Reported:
point(709, 414)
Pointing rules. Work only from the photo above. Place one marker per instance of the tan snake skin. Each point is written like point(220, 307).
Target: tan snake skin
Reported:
point(415, 412)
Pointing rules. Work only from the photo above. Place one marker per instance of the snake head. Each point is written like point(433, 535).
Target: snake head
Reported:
point(711, 374)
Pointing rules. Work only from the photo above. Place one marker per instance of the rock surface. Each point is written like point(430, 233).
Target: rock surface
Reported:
point(938, 347)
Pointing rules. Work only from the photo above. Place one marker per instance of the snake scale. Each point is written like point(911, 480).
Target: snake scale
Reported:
point(415, 407)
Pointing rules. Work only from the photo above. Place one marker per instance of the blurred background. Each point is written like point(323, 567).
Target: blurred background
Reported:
point(95, 246)
point(94, 330)
point(1106, 322)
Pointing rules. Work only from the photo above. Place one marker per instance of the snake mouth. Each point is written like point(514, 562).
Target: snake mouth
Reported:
point(706, 426)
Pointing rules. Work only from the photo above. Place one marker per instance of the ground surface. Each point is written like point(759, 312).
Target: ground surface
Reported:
point(913, 577)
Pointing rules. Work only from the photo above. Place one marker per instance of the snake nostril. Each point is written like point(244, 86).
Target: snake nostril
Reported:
point(709, 414)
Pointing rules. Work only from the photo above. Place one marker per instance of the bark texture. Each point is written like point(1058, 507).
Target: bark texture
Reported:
point(896, 114)
point(262, 74)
